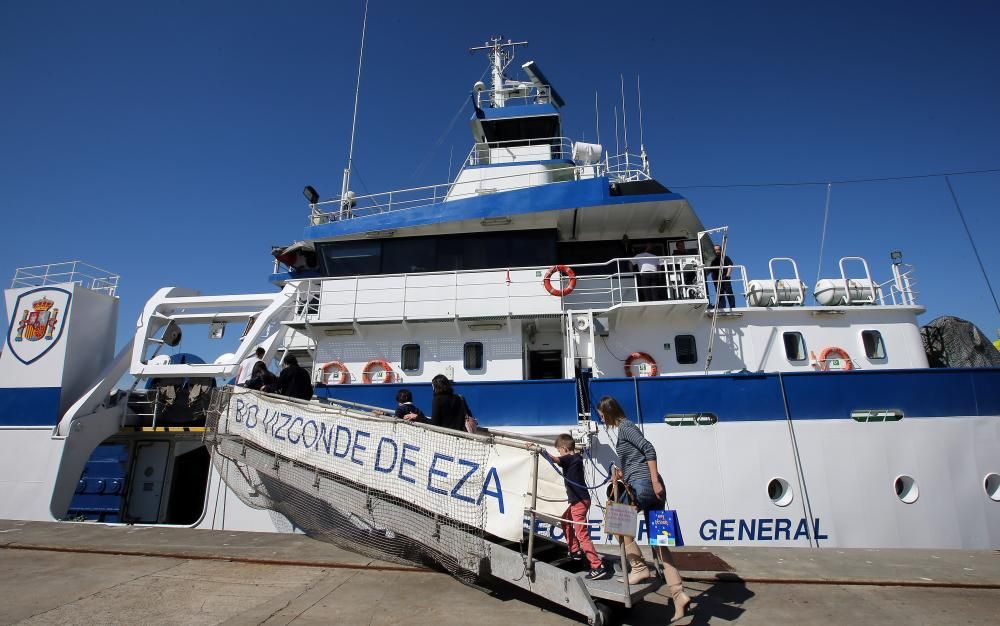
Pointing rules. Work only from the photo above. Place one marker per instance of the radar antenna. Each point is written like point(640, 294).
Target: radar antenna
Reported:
point(501, 53)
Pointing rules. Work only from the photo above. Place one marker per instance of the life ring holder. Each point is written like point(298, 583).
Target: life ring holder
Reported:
point(343, 374)
point(838, 352)
point(639, 356)
point(566, 271)
point(366, 375)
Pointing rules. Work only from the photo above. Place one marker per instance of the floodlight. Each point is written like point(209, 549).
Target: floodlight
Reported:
point(311, 194)
point(896, 256)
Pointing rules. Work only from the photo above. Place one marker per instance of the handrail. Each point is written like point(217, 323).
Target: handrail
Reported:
point(78, 272)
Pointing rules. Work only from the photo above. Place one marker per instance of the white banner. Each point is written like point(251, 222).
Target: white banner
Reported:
point(429, 468)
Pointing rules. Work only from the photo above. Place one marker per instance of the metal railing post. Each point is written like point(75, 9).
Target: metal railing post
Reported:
point(533, 515)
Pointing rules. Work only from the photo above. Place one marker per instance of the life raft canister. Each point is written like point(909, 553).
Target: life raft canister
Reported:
point(565, 271)
point(840, 357)
point(388, 376)
point(342, 374)
point(645, 358)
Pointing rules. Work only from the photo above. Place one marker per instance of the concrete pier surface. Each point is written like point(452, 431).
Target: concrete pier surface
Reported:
point(81, 573)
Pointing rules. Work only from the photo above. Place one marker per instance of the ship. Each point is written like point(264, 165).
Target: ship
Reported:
point(546, 274)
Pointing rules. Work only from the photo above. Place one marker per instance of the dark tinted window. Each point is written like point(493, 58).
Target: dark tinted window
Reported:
point(410, 361)
point(412, 255)
point(473, 355)
point(686, 349)
point(874, 346)
point(351, 258)
point(795, 346)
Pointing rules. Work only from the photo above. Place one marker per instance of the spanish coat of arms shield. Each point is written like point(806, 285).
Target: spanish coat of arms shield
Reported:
point(37, 322)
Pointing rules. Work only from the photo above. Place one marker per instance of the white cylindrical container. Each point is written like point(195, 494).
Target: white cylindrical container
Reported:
point(833, 291)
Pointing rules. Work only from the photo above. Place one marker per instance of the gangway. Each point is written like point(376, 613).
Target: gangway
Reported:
point(272, 452)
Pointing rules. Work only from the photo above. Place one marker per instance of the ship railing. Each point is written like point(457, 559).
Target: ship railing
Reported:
point(898, 290)
point(77, 272)
point(519, 150)
point(514, 96)
point(402, 199)
point(627, 167)
point(497, 292)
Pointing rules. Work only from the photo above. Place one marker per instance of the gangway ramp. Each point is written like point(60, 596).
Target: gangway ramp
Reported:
point(408, 493)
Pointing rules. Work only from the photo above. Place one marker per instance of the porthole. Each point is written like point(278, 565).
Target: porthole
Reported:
point(992, 485)
point(906, 489)
point(779, 491)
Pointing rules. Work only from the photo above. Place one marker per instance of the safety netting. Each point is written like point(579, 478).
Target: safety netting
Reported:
point(953, 342)
point(361, 479)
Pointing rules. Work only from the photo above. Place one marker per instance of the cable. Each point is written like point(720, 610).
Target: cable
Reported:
point(972, 243)
point(605, 340)
point(845, 181)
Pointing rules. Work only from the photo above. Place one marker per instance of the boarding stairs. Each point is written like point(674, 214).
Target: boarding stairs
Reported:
point(342, 510)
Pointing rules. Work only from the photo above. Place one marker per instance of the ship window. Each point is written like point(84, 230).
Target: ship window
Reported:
point(795, 346)
point(874, 346)
point(686, 349)
point(410, 360)
point(473, 355)
point(352, 258)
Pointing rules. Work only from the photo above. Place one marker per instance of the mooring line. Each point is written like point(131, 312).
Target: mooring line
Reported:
point(217, 557)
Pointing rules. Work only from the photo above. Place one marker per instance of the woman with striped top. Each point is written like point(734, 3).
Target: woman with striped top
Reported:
point(637, 461)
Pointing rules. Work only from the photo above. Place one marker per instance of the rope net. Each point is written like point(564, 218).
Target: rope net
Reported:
point(364, 481)
point(953, 342)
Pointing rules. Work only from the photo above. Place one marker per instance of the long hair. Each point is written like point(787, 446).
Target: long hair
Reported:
point(611, 410)
point(441, 385)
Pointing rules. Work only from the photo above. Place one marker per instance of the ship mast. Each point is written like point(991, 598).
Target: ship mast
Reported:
point(501, 53)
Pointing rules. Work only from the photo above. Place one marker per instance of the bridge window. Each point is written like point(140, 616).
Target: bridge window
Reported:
point(410, 360)
point(874, 346)
point(795, 346)
point(473, 355)
point(686, 349)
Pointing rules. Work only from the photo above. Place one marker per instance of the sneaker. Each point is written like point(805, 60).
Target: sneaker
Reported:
point(577, 555)
point(599, 573)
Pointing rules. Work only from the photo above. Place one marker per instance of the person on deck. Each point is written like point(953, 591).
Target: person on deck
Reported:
point(645, 264)
point(261, 379)
point(448, 408)
point(721, 271)
point(408, 411)
point(294, 380)
point(245, 371)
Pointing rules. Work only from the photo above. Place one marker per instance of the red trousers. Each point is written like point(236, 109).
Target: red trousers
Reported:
point(578, 535)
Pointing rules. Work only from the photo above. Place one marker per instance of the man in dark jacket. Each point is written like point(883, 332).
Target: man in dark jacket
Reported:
point(294, 381)
point(721, 271)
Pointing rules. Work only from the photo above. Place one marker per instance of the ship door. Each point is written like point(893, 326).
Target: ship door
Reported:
point(545, 364)
point(146, 484)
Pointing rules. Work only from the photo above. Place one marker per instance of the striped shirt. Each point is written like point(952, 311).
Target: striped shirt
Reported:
point(633, 451)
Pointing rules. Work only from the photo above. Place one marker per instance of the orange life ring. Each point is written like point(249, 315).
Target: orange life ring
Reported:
point(565, 271)
point(325, 368)
point(639, 356)
point(366, 375)
point(838, 353)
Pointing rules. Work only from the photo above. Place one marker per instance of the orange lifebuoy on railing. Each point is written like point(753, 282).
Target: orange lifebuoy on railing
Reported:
point(565, 271)
point(839, 354)
point(640, 356)
point(342, 373)
point(366, 375)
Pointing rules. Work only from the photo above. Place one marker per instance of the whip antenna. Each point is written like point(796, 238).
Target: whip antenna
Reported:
point(354, 121)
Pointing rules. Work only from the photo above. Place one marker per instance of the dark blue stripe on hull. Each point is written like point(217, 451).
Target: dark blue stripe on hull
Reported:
point(29, 406)
point(494, 403)
point(731, 397)
point(810, 395)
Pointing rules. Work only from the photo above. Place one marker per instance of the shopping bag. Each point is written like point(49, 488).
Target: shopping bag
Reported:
point(664, 529)
point(619, 519)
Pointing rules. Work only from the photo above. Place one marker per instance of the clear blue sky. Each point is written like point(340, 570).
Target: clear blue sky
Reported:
point(170, 141)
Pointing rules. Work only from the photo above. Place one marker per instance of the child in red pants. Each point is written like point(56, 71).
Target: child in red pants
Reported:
point(578, 534)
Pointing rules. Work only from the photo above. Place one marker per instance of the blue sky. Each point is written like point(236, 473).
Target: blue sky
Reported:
point(170, 141)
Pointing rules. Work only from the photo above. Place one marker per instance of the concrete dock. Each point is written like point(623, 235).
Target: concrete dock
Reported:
point(66, 573)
